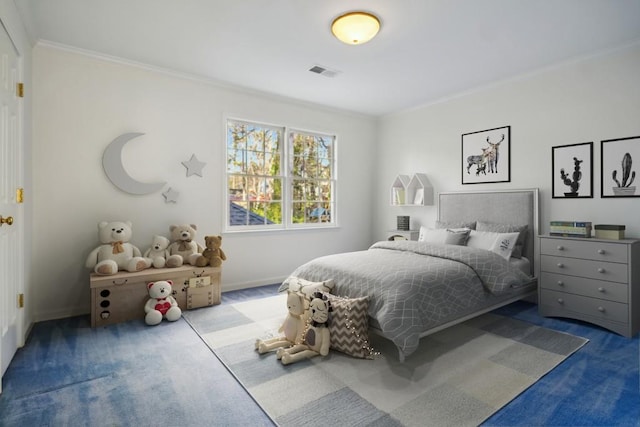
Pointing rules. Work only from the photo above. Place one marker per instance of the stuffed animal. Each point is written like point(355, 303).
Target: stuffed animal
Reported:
point(316, 338)
point(161, 305)
point(292, 327)
point(116, 253)
point(213, 254)
point(159, 251)
point(183, 248)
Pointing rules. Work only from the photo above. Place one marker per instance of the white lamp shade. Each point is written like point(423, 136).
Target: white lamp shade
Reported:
point(355, 27)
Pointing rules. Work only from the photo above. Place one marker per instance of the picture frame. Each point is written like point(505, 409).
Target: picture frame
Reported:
point(618, 172)
point(572, 171)
point(486, 156)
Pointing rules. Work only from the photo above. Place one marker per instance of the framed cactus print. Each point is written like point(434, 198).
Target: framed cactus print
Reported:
point(620, 162)
point(572, 169)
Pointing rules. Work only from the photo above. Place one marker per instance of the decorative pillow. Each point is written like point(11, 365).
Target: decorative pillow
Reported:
point(507, 228)
point(349, 326)
point(446, 236)
point(306, 287)
point(500, 243)
point(450, 225)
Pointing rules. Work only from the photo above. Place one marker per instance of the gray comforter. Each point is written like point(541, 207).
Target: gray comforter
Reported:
point(414, 286)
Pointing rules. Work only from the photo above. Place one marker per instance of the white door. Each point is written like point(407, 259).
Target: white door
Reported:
point(11, 211)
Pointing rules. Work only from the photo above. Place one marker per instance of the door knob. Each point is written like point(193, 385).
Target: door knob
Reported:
point(8, 220)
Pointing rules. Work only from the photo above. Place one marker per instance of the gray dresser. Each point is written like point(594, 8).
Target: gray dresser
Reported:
point(594, 280)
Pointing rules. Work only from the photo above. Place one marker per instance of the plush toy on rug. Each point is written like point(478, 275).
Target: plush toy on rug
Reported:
point(213, 254)
point(116, 253)
point(292, 327)
point(316, 337)
point(183, 248)
point(159, 251)
point(161, 305)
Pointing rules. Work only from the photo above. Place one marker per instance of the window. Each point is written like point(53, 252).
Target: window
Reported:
point(273, 185)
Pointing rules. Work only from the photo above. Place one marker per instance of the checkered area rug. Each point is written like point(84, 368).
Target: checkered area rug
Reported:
point(457, 377)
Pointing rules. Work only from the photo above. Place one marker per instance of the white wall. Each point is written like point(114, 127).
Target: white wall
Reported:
point(592, 99)
point(82, 102)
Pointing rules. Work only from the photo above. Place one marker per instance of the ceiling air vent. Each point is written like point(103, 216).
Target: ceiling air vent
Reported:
point(323, 71)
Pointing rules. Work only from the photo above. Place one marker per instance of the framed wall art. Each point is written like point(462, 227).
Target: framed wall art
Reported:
point(620, 159)
point(572, 171)
point(486, 156)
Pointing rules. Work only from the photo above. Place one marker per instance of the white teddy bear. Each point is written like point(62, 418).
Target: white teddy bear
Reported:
point(161, 305)
point(159, 251)
point(183, 248)
point(116, 253)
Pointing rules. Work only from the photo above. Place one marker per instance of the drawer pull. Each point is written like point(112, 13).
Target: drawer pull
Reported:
point(560, 300)
point(120, 284)
point(601, 251)
point(601, 309)
point(560, 283)
point(601, 270)
point(560, 265)
point(560, 248)
point(601, 289)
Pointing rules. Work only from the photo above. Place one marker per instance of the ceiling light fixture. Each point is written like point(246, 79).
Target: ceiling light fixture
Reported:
point(355, 27)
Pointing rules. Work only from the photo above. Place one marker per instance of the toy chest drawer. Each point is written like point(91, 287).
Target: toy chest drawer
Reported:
point(121, 297)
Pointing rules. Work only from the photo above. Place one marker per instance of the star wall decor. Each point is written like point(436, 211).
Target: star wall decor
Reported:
point(171, 195)
point(194, 166)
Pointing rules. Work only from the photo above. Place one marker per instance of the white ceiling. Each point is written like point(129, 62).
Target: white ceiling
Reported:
point(427, 50)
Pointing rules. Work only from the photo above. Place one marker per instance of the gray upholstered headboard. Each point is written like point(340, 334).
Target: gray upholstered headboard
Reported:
point(516, 207)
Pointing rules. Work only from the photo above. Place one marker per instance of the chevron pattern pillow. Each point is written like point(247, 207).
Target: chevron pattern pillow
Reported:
point(349, 326)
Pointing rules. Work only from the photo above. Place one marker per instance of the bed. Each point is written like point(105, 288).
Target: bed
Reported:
point(416, 288)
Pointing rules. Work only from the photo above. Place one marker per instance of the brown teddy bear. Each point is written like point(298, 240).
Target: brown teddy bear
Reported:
point(212, 254)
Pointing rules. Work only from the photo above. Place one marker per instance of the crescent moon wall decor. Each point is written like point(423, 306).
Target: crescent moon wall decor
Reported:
point(115, 171)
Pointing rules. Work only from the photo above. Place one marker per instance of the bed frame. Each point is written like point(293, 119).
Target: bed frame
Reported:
point(502, 206)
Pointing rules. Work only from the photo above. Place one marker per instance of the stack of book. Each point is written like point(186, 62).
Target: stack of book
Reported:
point(570, 228)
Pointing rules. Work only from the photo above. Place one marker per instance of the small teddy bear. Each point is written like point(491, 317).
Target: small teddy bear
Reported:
point(213, 254)
point(161, 304)
point(183, 249)
point(292, 327)
point(159, 251)
point(116, 253)
point(317, 338)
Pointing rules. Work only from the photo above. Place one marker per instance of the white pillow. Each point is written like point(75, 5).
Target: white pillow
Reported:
point(500, 243)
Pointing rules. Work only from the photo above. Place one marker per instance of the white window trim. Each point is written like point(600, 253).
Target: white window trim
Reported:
point(287, 197)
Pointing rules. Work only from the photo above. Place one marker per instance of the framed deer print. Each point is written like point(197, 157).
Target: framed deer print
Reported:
point(486, 156)
point(620, 159)
point(572, 169)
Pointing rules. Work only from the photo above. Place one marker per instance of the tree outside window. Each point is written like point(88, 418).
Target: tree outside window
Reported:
point(261, 194)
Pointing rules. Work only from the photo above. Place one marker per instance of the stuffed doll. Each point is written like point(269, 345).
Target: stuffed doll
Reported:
point(316, 338)
point(159, 251)
point(116, 253)
point(293, 325)
point(213, 254)
point(183, 248)
point(161, 305)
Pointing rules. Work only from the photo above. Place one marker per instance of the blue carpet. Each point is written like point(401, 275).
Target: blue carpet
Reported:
point(130, 374)
point(599, 385)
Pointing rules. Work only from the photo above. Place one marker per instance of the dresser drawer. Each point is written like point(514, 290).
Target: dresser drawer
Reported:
point(611, 291)
point(587, 249)
point(599, 270)
point(592, 307)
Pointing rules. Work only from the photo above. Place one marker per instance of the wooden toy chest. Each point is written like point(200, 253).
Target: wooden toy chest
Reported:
point(122, 296)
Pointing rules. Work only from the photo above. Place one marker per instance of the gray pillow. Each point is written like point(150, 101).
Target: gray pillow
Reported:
point(507, 228)
point(457, 237)
point(450, 224)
